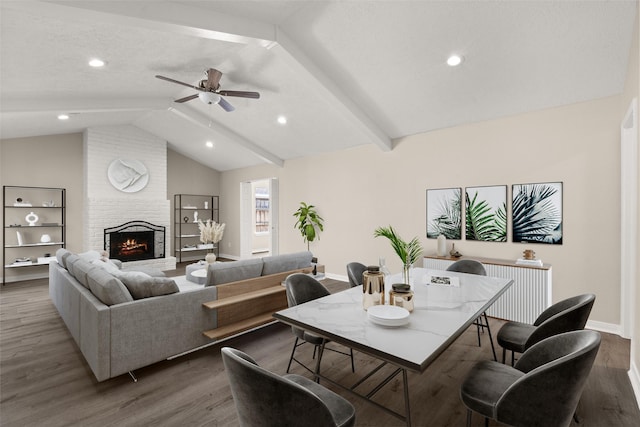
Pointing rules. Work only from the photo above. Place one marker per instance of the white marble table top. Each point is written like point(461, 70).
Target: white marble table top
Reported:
point(440, 315)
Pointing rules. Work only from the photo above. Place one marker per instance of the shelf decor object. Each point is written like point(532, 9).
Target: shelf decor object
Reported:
point(31, 218)
point(26, 249)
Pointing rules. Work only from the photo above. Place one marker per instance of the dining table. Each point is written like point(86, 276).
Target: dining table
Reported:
point(445, 304)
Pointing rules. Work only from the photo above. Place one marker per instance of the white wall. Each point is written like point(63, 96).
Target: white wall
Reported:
point(46, 161)
point(360, 189)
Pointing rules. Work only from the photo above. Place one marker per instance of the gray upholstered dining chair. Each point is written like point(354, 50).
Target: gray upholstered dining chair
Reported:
point(354, 273)
point(567, 315)
point(301, 288)
point(542, 389)
point(263, 398)
point(471, 266)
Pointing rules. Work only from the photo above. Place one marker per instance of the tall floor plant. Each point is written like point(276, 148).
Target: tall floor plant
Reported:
point(309, 223)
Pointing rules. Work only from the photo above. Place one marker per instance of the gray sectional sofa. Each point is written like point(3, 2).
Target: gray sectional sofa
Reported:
point(124, 320)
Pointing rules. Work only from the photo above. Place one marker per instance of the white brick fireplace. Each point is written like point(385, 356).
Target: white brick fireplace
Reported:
point(105, 206)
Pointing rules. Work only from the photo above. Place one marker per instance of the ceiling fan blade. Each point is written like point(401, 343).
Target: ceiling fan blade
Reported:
point(180, 83)
point(187, 98)
point(225, 105)
point(240, 93)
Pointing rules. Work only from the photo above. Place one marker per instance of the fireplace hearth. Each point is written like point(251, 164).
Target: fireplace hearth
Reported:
point(135, 241)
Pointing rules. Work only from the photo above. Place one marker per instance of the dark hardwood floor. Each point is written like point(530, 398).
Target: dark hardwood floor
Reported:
point(44, 379)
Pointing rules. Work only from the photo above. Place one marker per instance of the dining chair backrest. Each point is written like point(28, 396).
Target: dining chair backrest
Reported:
point(567, 315)
point(555, 372)
point(263, 398)
point(354, 273)
point(301, 288)
point(470, 266)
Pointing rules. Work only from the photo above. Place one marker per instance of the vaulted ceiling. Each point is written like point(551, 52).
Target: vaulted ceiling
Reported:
point(343, 73)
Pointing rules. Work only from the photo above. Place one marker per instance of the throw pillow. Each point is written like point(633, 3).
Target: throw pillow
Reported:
point(89, 256)
point(141, 285)
point(107, 288)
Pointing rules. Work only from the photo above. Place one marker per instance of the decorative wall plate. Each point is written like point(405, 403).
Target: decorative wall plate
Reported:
point(128, 176)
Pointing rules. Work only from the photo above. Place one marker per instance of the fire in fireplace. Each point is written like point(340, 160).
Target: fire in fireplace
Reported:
point(132, 245)
point(135, 241)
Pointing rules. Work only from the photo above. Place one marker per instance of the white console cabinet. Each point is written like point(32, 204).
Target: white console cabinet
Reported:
point(529, 295)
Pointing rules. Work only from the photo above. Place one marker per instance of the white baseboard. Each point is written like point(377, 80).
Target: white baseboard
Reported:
point(634, 377)
point(337, 277)
point(227, 256)
point(609, 328)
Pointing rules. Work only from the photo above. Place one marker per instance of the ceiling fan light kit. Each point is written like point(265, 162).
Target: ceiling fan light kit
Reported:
point(209, 97)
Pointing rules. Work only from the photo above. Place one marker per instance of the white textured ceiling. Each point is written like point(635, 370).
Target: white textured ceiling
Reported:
point(345, 73)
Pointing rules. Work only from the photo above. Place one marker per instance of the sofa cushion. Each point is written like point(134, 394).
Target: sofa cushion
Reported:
point(80, 270)
point(61, 256)
point(107, 288)
point(107, 265)
point(279, 263)
point(141, 285)
point(69, 260)
point(151, 271)
point(225, 272)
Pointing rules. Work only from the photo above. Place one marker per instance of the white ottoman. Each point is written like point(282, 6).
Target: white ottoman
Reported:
point(200, 277)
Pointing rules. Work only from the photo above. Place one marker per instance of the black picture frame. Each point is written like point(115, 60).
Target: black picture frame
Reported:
point(444, 213)
point(486, 213)
point(536, 213)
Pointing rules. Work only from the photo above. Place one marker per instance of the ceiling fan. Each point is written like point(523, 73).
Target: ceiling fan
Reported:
point(209, 90)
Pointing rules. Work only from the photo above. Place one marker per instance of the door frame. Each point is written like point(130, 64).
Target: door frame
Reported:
point(628, 218)
point(246, 210)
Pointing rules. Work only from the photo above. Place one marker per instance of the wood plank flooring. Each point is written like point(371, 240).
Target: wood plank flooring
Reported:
point(44, 379)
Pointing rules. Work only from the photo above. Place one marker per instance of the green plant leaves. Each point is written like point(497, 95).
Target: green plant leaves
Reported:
point(309, 223)
point(409, 252)
point(448, 220)
point(483, 224)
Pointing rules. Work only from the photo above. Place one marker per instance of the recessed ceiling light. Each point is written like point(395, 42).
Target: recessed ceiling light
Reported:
point(96, 63)
point(282, 120)
point(209, 144)
point(63, 117)
point(454, 60)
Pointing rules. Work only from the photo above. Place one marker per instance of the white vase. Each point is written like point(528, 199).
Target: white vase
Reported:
point(45, 238)
point(210, 258)
point(442, 245)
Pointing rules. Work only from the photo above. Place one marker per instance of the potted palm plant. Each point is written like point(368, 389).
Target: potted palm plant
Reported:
point(309, 223)
point(409, 252)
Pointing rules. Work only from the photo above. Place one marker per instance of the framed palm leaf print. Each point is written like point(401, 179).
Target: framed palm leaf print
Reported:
point(537, 213)
point(444, 213)
point(486, 213)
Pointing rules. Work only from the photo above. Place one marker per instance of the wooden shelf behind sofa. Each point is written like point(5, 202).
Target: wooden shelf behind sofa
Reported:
point(247, 304)
point(235, 328)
